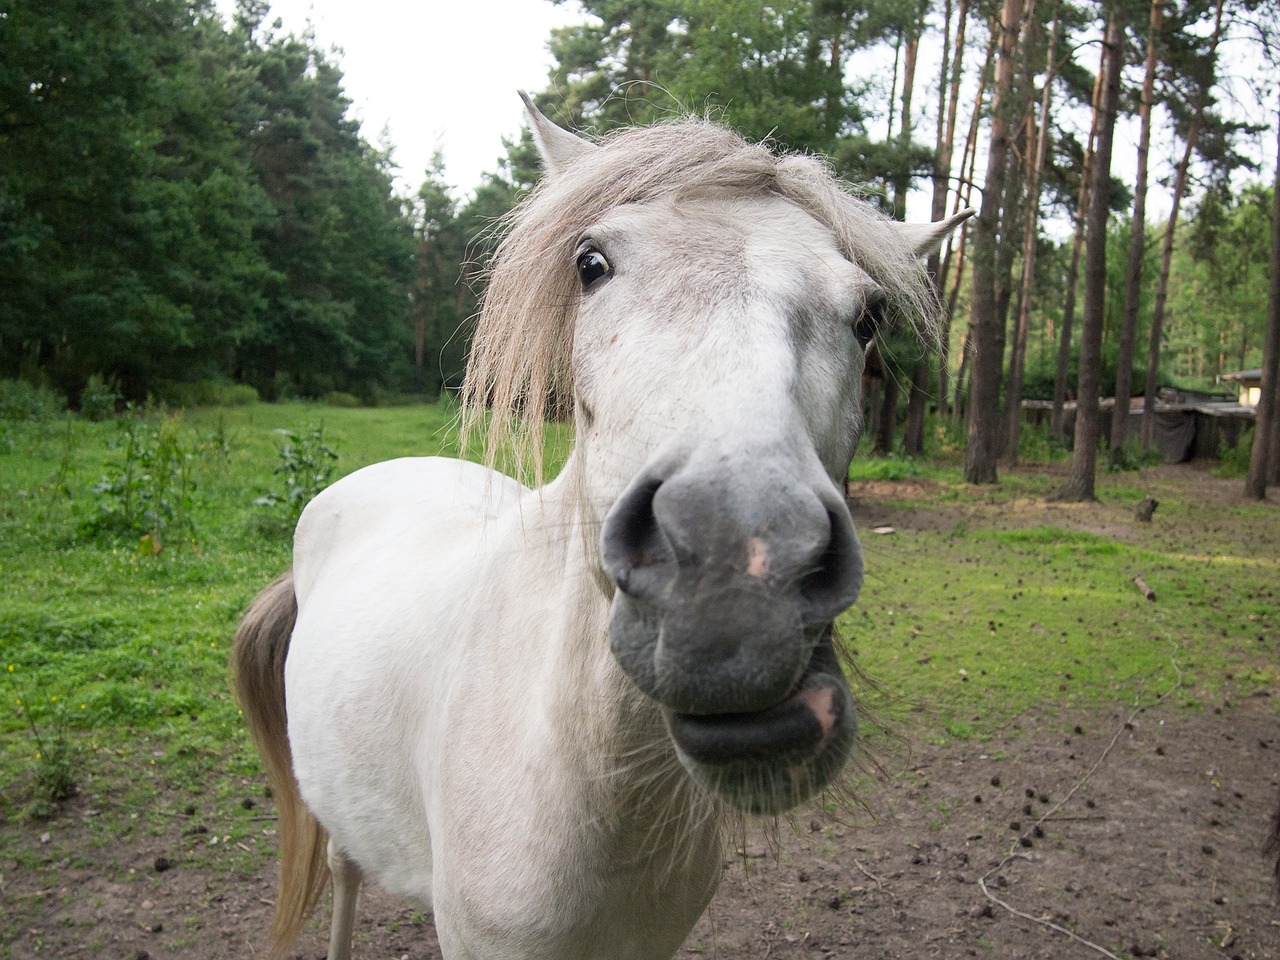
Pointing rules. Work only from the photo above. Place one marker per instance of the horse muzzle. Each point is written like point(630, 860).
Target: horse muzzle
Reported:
point(726, 593)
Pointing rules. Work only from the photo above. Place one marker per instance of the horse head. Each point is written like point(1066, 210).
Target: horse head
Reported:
point(707, 310)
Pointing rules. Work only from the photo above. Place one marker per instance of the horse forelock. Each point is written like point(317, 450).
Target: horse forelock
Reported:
point(520, 366)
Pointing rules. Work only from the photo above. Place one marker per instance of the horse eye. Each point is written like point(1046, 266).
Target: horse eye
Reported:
point(870, 317)
point(592, 266)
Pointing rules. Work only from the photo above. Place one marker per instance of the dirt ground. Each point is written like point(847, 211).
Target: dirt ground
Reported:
point(1114, 832)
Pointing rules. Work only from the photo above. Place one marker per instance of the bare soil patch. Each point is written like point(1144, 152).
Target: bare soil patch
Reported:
point(1140, 832)
point(1158, 853)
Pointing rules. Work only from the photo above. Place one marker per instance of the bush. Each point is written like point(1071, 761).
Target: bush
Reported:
point(1234, 461)
point(891, 468)
point(238, 395)
point(99, 398)
point(20, 400)
point(338, 398)
point(1039, 444)
point(204, 393)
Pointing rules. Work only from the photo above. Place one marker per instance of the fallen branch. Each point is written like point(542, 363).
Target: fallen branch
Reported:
point(868, 874)
point(1146, 590)
point(1064, 819)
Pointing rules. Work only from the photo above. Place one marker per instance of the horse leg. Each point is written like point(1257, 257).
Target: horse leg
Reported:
point(346, 887)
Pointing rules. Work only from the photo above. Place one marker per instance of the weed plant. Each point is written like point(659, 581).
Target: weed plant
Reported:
point(148, 491)
point(1234, 460)
point(53, 761)
point(22, 401)
point(306, 467)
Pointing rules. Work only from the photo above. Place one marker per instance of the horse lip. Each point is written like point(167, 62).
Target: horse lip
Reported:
point(795, 728)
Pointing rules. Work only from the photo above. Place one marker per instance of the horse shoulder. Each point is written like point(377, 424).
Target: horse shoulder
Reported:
point(386, 513)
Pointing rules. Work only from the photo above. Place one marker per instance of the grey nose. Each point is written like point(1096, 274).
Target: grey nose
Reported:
point(767, 534)
point(725, 583)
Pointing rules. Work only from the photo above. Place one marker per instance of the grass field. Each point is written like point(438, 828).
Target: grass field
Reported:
point(127, 554)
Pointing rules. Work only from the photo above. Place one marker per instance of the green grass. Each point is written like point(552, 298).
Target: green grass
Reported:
point(985, 620)
point(113, 655)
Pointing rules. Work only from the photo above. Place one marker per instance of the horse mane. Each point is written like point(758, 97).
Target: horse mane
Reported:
point(520, 368)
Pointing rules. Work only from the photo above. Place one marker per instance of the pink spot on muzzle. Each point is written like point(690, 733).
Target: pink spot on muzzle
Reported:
point(821, 701)
point(757, 558)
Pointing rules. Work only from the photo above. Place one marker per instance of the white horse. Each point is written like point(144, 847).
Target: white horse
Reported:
point(527, 708)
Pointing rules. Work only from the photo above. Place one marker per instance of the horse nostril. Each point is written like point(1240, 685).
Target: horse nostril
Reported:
point(835, 583)
point(632, 545)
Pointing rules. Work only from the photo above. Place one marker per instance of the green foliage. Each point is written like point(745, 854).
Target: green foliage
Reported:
point(22, 401)
point(1233, 461)
point(885, 468)
point(204, 393)
point(1040, 445)
point(54, 758)
point(776, 71)
point(99, 398)
point(337, 398)
point(1219, 287)
point(182, 200)
point(149, 488)
point(306, 467)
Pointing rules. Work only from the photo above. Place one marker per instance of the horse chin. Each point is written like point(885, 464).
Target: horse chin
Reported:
point(770, 761)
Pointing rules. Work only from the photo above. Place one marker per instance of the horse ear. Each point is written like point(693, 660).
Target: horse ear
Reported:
point(556, 146)
point(927, 237)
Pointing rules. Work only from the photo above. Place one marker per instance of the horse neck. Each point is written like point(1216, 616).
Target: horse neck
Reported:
point(603, 720)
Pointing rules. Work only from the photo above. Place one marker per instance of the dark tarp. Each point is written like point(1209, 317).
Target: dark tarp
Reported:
point(1174, 436)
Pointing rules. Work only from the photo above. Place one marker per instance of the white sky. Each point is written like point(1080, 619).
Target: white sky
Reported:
point(434, 72)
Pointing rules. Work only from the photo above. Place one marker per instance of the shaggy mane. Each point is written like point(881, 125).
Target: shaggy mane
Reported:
point(520, 367)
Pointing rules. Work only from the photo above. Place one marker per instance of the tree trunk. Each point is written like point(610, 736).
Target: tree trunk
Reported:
point(1266, 437)
point(1273, 452)
point(888, 410)
point(959, 407)
point(1030, 234)
point(1084, 459)
point(942, 147)
point(1166, 250)
point(1057, 421)
point(906, 123)
point(948, 99)
point(893, 89)
point(1137, 249)
point(987, 327)
point(948, 313)
point(968, 164)
point(913, 432)
point(918, 383)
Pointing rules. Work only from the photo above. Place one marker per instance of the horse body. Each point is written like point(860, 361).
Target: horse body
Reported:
point(527, 709)
point(461, 743)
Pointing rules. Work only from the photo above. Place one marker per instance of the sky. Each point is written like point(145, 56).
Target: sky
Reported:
point(434, 73)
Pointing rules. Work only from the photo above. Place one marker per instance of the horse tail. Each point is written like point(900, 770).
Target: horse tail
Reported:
point(257, 662)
